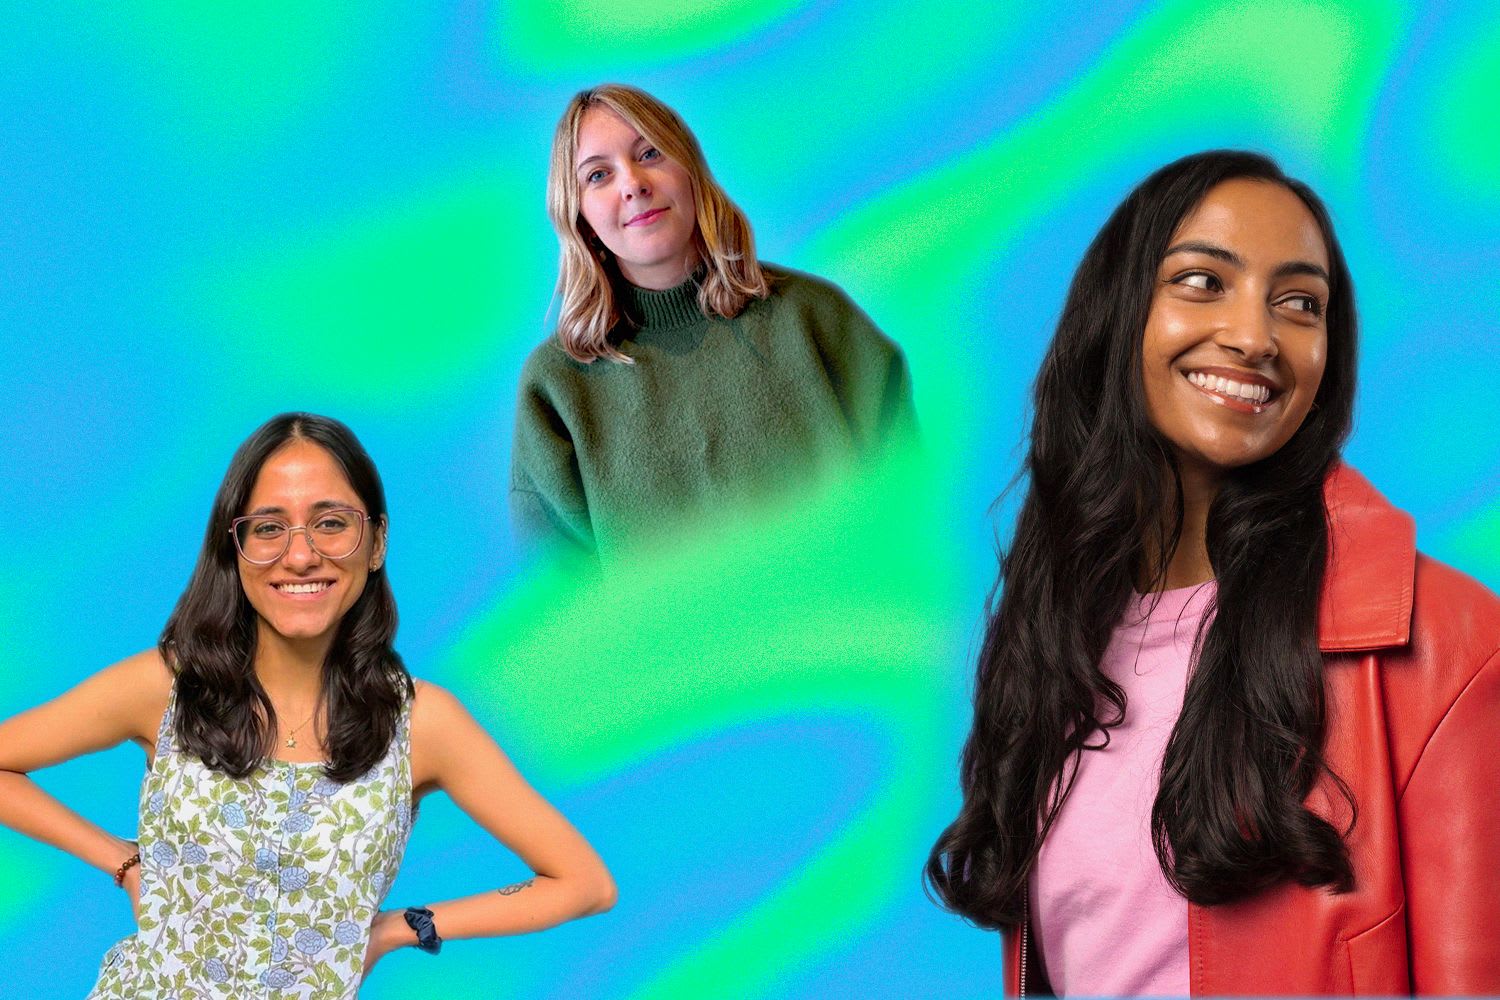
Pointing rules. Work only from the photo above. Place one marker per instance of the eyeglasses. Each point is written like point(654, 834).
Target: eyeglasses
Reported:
point(333, 534)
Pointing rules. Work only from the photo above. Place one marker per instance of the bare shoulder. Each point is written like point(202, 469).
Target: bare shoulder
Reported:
point(147, 670)
point(124, 701)
point(433, 706)
point(446, 740)
point(439, 721)
point(137, 690)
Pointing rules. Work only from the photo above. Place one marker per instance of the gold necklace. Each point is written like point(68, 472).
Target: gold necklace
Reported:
point(291, 737)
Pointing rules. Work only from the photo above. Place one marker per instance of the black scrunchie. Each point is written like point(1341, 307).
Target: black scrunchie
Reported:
point(419, 919)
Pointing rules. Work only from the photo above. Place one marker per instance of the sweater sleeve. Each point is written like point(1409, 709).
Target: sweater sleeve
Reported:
point(869, 374)
point(1450, 816)
point(548, 505)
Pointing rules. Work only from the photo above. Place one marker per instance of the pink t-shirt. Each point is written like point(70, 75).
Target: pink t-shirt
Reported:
point(1106, 919)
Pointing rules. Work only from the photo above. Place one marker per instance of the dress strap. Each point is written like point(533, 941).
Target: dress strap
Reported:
point(403, 736)
point(403, 725)
point(401, 749)
point(164, 730)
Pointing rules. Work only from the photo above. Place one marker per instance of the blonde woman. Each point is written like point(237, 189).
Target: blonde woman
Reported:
point(685, 373)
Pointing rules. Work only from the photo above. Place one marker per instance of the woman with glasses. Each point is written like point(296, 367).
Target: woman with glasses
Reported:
point(287, 748)
point(686, 375)
point(1232, 733)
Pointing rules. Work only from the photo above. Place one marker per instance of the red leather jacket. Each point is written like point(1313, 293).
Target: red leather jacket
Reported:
point(1412, 671)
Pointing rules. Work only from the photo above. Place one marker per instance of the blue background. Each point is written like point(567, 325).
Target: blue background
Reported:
point(210, 216)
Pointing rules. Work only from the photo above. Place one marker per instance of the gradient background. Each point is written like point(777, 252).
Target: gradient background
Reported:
point(210, 217)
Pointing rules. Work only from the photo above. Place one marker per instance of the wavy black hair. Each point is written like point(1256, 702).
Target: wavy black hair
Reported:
point(1229, 817)
point(223, 713)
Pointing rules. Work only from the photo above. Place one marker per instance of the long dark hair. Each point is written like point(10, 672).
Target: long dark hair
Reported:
point(1229, 817)
point(223, 713)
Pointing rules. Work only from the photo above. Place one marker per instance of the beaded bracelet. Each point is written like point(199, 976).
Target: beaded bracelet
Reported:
point(130, 863)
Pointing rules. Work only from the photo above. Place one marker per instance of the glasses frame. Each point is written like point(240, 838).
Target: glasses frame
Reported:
point(234, 533)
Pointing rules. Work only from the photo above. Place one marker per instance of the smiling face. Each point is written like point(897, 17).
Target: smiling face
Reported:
point(1236, 339)
point(304, 595)
point(637, 201)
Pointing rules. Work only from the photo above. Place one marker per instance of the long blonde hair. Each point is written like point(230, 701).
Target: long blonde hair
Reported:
point(722, 238)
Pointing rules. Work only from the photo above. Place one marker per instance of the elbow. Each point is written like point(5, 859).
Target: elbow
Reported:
point(602, 893)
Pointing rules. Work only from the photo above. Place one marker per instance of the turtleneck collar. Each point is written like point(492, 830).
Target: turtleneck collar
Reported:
point(669, 309)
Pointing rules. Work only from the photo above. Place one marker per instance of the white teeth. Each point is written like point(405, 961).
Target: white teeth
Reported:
point(1228, 387)
point(302, 588)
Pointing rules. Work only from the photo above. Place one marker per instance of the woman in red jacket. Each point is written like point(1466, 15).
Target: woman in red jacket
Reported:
point(1232, 734)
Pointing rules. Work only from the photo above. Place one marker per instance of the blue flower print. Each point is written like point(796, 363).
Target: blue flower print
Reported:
point(289, 865)
point(297, 822)
point(293, 878)
point(309, 941)
point(277, 979)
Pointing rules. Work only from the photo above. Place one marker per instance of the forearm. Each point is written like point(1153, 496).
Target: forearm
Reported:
point(452, 753)
point(531, 905)
point(27, 809)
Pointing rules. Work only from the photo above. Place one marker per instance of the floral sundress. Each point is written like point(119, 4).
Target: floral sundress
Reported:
point(263, 887)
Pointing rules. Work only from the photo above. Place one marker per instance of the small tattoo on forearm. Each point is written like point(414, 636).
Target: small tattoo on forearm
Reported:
point(511, 890)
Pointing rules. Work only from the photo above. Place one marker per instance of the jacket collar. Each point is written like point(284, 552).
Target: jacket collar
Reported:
point(1372, 559)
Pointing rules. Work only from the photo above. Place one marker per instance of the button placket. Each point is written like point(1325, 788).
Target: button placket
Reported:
point(270, 908)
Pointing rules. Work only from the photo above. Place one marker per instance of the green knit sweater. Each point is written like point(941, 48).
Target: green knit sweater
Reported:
point(713, 411)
